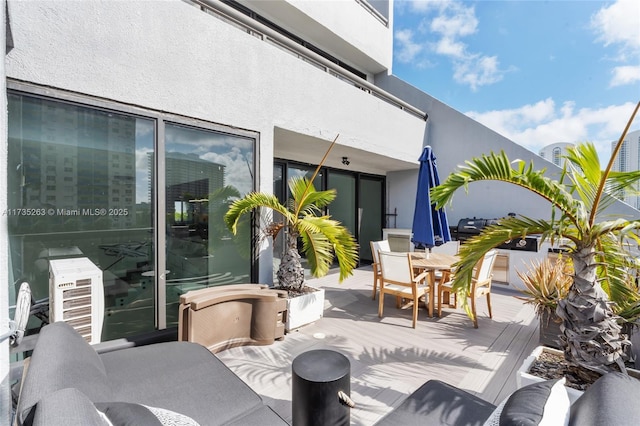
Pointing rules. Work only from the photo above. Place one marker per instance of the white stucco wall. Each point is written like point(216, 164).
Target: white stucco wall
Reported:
point(343, 27)
point(170, 56)
point(456, 138)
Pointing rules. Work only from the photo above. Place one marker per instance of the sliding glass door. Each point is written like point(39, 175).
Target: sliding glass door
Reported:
point(370, 213)
point(85, 181)
point(78, 186)
point(343, 208)
point(358, 205)
point(204, 172)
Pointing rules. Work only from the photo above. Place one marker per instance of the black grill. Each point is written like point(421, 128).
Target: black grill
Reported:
point(470, 227)
point(523, 244)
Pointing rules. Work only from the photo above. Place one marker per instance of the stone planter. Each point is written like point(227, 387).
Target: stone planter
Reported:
point(304, 309)
point(524, 378)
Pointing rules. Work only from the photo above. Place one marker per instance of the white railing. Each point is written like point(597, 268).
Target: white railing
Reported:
point(245, 23)
point(374, 12)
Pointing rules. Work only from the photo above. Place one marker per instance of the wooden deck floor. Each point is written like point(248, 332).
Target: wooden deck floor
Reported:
point(389, 359)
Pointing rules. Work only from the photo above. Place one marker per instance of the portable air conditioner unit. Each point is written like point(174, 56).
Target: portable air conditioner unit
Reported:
point(76, 296)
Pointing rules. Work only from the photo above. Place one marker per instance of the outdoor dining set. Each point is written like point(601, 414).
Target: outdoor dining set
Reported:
point(427, 273)
point(416, 276)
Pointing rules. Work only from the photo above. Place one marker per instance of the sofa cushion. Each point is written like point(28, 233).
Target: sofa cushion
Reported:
point(182, 377)
point(543, 403)
point(261, 416)
point(437, 403)
point(61, 359)
point(611, 400)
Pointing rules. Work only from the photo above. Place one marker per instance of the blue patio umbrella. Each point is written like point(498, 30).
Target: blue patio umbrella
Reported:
point(430, 226)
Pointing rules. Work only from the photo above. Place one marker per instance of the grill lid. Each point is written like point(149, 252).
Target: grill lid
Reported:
point(474, 225)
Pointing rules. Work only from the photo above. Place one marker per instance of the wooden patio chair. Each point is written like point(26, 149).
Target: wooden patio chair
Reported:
point(397, 277)
point(376, 247)
point(481, 286)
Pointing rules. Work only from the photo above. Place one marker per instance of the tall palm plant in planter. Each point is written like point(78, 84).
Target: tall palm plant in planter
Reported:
point(591, 332)
point(323, 238)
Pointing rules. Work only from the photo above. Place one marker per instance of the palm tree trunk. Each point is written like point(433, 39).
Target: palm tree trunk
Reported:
point(291, 273)
point(590, 331)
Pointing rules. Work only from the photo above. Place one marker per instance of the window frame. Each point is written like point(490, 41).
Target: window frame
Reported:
point(160, 119)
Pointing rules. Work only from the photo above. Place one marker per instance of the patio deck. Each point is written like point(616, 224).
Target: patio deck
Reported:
point(389, 359)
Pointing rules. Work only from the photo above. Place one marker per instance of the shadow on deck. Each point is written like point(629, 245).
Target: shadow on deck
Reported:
point(389, 359)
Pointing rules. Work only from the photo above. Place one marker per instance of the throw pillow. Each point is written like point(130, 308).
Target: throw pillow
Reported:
point(539, 404)
point(171, 418)
point(494, 418)
point(129, 414)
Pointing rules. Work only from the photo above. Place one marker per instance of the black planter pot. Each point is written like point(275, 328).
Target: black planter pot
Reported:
point(550, 330)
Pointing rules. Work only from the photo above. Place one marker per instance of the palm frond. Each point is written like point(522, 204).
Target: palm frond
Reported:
point(250, 202)
point(623, 181)
point(586, 175)
point(498, 167)
point(614, 154)
point(492, 236)
point(306, 198)
point(617, 268)
point(323, 238)
point(225, 193)
point(316, 200)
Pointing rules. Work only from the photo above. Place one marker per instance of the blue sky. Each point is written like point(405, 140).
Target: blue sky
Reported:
point(537, 72)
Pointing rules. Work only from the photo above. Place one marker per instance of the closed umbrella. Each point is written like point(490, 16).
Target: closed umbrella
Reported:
point(430, 225)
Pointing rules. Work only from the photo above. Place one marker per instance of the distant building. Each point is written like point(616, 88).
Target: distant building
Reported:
point(555, 152)
point(627, 160)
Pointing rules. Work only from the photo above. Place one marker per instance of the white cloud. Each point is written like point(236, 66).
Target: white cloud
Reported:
point(449, 21)
point(537, 125)
point(428, 5)
point(477, 71)
point(623, 75)
point(617, 25)
point(450, 47)
point(455, 21)
point(407, 49)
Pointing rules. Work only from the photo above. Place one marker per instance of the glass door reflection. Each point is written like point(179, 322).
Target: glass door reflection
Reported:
point(204, 172)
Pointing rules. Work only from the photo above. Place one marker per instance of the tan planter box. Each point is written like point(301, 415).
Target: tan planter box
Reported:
point(233, 315)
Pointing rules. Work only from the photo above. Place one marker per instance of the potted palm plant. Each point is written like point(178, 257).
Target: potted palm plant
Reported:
point(591, 333)
point(545, 283)
point(323, 240)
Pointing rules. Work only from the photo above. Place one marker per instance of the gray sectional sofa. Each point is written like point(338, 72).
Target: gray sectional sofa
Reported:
point(68, 383)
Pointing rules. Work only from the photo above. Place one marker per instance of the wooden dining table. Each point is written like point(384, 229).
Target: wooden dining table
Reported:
point(432, 262)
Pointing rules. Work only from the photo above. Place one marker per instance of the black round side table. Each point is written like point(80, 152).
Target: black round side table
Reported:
point(321, 378)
